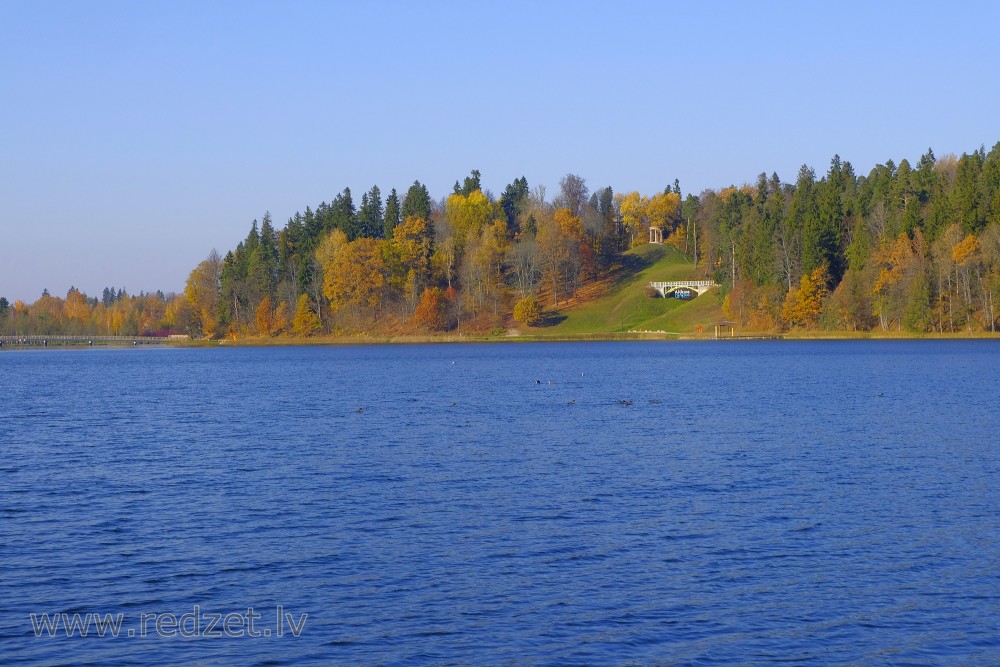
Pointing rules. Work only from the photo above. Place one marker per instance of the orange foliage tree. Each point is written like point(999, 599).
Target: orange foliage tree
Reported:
point(891, 260)
point(280, 322)
point(264, 317)
point(430, 311)
point(755, 308)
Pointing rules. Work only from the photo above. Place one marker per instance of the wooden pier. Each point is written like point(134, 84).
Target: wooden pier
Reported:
point(46, 341)
point(721, 333)
point(774, 337)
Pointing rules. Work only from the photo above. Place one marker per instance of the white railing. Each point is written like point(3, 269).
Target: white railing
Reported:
point(685, 283)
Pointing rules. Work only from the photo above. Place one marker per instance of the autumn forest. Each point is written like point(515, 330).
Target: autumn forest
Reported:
point(909, 247)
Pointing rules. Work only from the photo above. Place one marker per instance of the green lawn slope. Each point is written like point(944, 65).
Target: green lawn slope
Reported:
point(623, 306)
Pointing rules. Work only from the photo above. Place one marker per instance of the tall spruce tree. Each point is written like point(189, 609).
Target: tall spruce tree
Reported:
point(417, 202)
point(512, 201)
point(392, 218)
point(371, 215)
point(470, 185)
point(344, 216)
point(821, 233)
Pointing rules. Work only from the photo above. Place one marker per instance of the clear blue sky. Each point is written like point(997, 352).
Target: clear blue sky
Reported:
point(137, 136)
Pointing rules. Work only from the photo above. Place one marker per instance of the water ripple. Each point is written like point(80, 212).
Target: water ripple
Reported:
point(793, 503)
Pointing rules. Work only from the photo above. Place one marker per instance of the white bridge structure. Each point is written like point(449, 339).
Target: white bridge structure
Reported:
point(668, 288)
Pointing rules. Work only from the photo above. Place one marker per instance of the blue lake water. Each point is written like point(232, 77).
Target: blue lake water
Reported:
point(802, 502)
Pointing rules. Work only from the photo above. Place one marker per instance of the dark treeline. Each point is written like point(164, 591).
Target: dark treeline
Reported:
point(905, 247)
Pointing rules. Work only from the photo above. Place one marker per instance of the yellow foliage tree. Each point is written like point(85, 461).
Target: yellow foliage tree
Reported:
point(558, 256)
point(528, 310)
point(76, 309)
point(571, 226)
point(678, 238)
point(632, 207)
point(356, 275)
point(329, 246)
point(306, 322)
point(467, 215)
point(408, 256)
point(444, 259)
point(202, 292)
point(662, 208)
point(963, 252)
point(152, 313)
point(482, 269)
point(804, 305)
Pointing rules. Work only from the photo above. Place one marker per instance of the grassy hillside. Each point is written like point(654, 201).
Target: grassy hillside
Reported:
point(622, 304)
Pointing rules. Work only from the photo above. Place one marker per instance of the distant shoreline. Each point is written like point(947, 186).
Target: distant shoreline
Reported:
point(453, 339)
point(581, 338)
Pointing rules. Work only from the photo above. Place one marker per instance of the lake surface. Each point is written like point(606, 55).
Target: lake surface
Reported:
point(801, 502)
